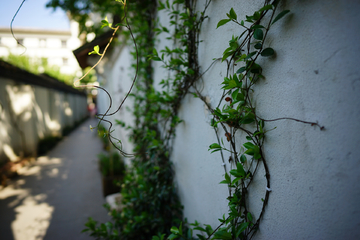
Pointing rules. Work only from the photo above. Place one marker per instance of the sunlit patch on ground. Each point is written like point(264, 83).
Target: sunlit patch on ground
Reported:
point(53, 196)
point(32, 218)
point(32, 213)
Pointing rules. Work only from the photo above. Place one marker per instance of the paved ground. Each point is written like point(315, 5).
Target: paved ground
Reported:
point(53, 197)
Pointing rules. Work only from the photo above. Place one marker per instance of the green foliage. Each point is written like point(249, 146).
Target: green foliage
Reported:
point(95, 51)
point(280, 15)
point(267, 52)
point(104, 231)
point(81, 11)
point(222, 22)
point(152, 209)
point(90, 77)
point(38, 66)
point(105, 23)
point(151, 204)
point(111, 164)
point(155, 110)
point(154, 206)
point(239, 113)
point(103, 133)
point(149, 196)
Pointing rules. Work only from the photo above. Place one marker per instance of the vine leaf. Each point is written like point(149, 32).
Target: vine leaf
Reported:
point(258, 46)
point(243, 158)
point(240, 70)
point(280, 15)
point(267, 52)
point(154, 56)
point(257, 26)
point(223, 234)
point(248, 145)
point(267, 7)
point(96, 50)
point(105, 23)
point(242, 227)
point(258, 34)
point(175, 230)
point(240, 169)
point(161, 6)
point(233, 14)
point(172, 236)
point(250, 55)
point(249, 216)
point(227, 179)
point(215, 146)
point(223, 22)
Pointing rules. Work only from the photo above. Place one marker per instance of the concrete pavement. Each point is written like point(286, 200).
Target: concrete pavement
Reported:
point(52, 198)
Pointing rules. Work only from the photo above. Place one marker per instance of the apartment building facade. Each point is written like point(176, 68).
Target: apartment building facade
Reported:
point(55, 46)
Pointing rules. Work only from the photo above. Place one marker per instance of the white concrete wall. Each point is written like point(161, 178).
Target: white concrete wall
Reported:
point(35, 112)
point(116, 78)
point(313, 77)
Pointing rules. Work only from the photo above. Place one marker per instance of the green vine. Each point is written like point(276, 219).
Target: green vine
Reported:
point(234, 113)
point(151, 206)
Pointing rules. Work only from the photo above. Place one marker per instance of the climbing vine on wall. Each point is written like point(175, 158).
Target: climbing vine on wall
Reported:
point(151, 206)
point(237, 114)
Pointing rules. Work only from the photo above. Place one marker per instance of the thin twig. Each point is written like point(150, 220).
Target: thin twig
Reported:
point(11, 27)
point(294, 119)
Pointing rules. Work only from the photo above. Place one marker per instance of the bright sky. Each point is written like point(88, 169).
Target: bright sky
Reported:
point(33, 14)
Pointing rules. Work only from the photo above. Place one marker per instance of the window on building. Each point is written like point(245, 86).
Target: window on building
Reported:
point(65, 61)
point(42, 42)
point(63, 43)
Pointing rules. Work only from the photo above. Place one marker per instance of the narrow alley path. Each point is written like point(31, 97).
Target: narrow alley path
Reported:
point(53, 197)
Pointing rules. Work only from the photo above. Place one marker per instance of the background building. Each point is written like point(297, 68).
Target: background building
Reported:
point(55, 46)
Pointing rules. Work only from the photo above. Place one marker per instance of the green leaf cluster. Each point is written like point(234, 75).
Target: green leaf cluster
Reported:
point(111, 164)
point(231, 17)
point(95, 51)
point(39, 66)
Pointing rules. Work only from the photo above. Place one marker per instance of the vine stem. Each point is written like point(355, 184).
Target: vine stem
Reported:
point(103, 54)
point(128, 93)
point(106, 114)
point(97, 63)
point(11, 27)
point(217, 228)
point(294, 119)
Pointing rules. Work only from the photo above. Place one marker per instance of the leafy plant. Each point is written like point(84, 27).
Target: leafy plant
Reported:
point(149, 196)
point(152, 208)
point(111, 164)
point(103, 135)
point(38, 66)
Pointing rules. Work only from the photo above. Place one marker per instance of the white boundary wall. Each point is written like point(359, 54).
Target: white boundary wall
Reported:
point(115, 76)
point(34, 112)
point(315, 76)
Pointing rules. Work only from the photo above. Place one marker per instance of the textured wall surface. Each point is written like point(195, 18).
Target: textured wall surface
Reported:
point(117, 79)
point(314, 76)
point(29, 113)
